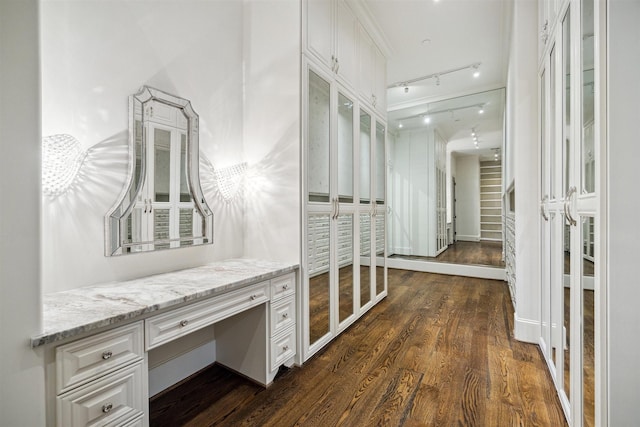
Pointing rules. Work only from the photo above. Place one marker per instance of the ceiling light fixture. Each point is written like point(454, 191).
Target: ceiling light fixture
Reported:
point(475, 66)
point(427, 119)
point(400, 125)
point(480, 109)
point(476, 70)
point(406, 89)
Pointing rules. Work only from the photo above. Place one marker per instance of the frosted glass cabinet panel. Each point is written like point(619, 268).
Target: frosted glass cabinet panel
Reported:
point(345, 149)
point(319, 138)
point(365, 157)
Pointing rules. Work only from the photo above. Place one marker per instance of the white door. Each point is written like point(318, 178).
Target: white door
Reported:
point(570, 123)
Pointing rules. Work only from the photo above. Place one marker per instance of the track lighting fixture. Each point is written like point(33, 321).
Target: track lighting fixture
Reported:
point(405, 83)
point(480, 109)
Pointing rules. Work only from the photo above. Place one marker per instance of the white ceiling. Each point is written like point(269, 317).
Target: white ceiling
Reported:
point(460, 33)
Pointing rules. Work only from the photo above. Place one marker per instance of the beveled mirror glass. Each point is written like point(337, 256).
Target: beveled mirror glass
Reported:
point(162, 205)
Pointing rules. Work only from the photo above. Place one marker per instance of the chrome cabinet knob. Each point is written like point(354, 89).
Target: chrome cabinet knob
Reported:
point(107, 355)
point(184, 323)
point(107, 408)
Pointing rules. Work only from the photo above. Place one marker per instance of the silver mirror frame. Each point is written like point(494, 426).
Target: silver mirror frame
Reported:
point(115, 219)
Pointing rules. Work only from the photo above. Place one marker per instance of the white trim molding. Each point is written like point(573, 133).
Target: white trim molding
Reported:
point(526, 330)
point(479, 271)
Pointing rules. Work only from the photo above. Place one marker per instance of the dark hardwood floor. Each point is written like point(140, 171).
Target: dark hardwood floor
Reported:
point(477, 253)
point(438, 351)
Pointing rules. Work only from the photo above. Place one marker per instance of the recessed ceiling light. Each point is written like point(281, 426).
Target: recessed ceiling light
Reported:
point(400, 125)
point(427, 119)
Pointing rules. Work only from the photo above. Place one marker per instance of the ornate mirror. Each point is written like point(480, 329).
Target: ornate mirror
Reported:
point(161, 205)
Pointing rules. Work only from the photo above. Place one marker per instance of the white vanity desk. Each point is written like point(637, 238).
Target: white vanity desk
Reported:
point(96, 338)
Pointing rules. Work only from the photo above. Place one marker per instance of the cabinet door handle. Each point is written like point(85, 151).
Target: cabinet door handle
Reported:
point(543, 211)
point(337, 65)
point(184, 323)
point(567, 206)
point(107, 408)
point(107, 355)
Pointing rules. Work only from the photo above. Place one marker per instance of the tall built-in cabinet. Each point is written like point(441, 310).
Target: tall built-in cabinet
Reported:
point(571, 121)
point(344, 173)
point(420, 215)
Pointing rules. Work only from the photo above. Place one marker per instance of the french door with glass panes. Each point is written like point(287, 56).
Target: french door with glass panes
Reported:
point(342, 276)
point(570, 122)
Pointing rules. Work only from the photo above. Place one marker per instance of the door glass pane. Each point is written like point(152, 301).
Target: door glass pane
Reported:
point(162, 165)
point(365, 157)
point(345, 266)
point(319, 138)
point(557, 284)
point(365, 259)
point(552, 124)
point(545, 226)
point(566, 99)
point(380, 242)
point(566, 305)
point(345, 149)
point(588, 322)
point(380, 163)
point(588, 160)
point(566, 151)
point(318, 239)
point(185, 195)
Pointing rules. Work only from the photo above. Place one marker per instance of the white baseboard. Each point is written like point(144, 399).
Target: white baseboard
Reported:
point(175, 370)
point(526, 330)
point(468, 238)
point(482, 272)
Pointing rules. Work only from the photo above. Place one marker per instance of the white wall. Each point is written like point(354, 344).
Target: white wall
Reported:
point(522, 144)
point(468, 196)
point(22, 400)
point(622, 232)
point(271, 142)
point(94, 55)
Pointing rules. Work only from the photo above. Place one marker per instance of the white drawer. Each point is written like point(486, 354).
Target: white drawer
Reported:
point(283, 286)
point(84, 360)
point(177, 323)
point(283, 314)
point(283, 347)
point(113, 400)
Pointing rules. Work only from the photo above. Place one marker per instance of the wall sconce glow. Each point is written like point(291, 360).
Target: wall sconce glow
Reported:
point(62, 158)
point(230, 180)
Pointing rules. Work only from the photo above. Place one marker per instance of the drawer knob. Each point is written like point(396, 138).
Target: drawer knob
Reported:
point(285, 315)
point(285, 348)
point(253, 297)
point(184, 323)
point(285, 286)
point(107, 355)
point(107, 408)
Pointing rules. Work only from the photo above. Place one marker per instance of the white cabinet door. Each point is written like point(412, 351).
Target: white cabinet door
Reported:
point(346, 52)
point(366, 66)
point(380, 82)
point(320, 30)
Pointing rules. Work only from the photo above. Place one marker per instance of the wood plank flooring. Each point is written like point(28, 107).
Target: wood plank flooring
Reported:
point(476, 253)
point(438, 351)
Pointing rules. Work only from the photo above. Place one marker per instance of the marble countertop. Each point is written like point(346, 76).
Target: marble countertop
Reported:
point(72, 312)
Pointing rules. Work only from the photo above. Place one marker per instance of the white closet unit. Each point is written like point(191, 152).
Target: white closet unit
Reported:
point(420, 158)
point(372, 73)
point(331, 30)
point(570, 121)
